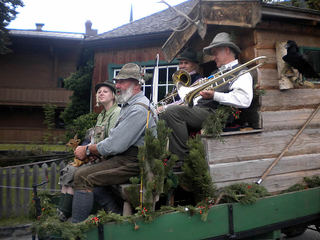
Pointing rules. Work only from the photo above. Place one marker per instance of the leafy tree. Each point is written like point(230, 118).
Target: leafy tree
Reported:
point(79, 82)
point(314, 4)
point(7, 14)
point(81, 124)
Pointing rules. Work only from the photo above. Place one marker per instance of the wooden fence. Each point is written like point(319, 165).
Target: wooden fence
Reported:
point(16, 184)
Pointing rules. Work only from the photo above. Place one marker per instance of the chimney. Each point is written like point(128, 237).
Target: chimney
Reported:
point(89, 31)
point(39, 26)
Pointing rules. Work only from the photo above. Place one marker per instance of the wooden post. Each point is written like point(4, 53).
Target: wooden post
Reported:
point(284, 81)
point(17, 199)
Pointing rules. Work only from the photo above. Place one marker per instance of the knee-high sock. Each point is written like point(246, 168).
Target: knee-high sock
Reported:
point(106, 199)
point(61, 201)
point(66, 207)
point(81, 205)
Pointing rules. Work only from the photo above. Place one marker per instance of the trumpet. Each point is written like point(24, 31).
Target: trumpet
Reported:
point(181, 76)
point(188, 94)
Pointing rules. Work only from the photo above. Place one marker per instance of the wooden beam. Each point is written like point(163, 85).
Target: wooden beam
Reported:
point(260, 145)
point(288, 119)
point(176, 42)
point(226, 172)
point(274, 100)
point(276, 183)
point(232, 13)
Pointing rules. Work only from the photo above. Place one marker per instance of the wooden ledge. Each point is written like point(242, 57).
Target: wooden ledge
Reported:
point(232, 133)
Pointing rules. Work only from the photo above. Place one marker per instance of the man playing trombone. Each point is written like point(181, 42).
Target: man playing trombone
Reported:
point(237, 93)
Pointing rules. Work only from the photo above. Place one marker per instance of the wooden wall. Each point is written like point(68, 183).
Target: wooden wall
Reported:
point(38, 63)
point(244, 158)
point(104, 58)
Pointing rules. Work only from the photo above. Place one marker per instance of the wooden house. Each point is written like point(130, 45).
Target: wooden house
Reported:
point(32, 76)
point(260, 30)
point(139, 41)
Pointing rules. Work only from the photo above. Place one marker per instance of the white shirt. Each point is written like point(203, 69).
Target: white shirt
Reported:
point(241, 93)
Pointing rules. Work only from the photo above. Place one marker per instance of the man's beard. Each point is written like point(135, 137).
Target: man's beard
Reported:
point(124, 96)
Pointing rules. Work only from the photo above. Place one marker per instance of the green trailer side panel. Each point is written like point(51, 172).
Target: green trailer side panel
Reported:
point(276, 209)
point(170, 226)
point(264, 212)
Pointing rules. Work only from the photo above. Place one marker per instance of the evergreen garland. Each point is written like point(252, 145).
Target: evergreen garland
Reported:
point(312, 182)
point(244, 193)
point(196, 177)
point(216, 122)
point(308, 182)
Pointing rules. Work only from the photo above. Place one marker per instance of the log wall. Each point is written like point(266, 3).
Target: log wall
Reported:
point(245, 157)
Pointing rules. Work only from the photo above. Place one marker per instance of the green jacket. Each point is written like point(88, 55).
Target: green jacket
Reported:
point(105, 122)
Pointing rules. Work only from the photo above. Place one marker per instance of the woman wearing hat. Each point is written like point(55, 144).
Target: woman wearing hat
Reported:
point(105, 96)
point(238, 93)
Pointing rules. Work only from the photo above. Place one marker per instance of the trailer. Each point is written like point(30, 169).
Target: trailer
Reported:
point(288, 213)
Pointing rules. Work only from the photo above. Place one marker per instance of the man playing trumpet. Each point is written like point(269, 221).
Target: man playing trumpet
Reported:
point(237, 93)
point(189, 62)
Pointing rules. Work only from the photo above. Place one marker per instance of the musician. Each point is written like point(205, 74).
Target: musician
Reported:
point(238, 93)
point(119, 151)
point(188, 61)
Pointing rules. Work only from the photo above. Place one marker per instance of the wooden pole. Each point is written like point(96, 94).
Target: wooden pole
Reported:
point(275, 162)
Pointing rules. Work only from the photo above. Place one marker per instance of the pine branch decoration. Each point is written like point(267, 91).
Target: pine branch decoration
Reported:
point(216, 121)
point(196, 177)
point(153, 159)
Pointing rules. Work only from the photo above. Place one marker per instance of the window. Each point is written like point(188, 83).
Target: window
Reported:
point(165, 84)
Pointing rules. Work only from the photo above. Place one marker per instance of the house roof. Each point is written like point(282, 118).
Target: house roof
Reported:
point(46, 34)
point(217, 12)
point(156, 23)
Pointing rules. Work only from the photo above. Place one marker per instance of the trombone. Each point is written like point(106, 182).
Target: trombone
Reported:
point(187, 94)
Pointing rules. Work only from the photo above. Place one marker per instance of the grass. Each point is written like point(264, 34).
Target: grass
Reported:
point(14, 221)
point(34, 147)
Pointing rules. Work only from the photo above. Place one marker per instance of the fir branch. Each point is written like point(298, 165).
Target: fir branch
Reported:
point(243, 192)
point(214, 124)
point(196, 177)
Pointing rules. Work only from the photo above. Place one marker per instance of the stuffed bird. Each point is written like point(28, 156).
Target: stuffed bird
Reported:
point(296, 60)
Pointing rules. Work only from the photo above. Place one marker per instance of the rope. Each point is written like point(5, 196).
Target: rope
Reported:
point(28, 188)
point(141, 183)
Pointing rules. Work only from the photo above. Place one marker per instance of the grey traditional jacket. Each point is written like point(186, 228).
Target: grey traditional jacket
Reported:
point(130, 127)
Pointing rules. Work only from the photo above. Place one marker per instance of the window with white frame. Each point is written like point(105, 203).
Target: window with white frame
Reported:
point(165, 84)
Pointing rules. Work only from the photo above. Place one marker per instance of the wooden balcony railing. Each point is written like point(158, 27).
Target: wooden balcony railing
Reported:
point(34, 97)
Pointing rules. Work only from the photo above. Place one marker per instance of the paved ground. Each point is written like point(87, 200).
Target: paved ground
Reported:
point(308, 235)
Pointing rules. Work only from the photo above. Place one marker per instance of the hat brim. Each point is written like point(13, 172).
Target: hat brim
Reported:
point(188, 59)
point(207, 50)
point(105, 84)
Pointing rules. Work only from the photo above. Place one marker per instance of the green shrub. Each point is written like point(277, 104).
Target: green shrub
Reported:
point(81, 124)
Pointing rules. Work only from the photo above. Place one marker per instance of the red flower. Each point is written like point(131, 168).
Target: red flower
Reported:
point(165, 161)
point(249, 186)
point(95, 220)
